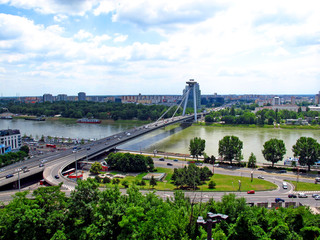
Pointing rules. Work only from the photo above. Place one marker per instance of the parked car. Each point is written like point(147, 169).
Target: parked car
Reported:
point(317, 197)
point(314, 195)
point(9, 176)
point(161, 159)
point(41, 165)
point(169, 164)
point(261, 169)
point(282, 171)
point(175, 160)
point(26, 170)
point(302, 195)
point(56, 177)
point(317, 179)
point(292, 196)
point(250, 192)
point(261, 177)
point(279, 200)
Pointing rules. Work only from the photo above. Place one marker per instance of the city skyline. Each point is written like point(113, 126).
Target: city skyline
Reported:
point(153, 48)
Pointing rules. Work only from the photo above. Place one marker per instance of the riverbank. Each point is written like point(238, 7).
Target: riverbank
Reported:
point(281, 126)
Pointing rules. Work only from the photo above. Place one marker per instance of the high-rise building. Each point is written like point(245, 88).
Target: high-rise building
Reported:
point(276, 101)
point(62, 97)
point(317, 98)
point(10, 140)
point(47, 97)
point(81, 96)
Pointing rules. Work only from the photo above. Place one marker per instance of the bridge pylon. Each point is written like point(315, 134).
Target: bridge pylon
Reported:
point(191, 87)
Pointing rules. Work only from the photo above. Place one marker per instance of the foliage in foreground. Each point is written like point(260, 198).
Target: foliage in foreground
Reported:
point(93, 214)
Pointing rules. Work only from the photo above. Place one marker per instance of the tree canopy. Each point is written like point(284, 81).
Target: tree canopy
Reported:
point(127, 162)
point(197, 146)
point(274, 150)
point(308, 151)
point(93, 214)
point(230, 147)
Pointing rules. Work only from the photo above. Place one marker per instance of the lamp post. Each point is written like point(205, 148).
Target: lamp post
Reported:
point(211, 219)
point(18, 170)
point(75, 158)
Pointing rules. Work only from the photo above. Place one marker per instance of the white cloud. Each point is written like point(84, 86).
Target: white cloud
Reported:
point(226, 46)
point(82, 34)
point(105, 7)
point(70, 7)
point(60, 18)
point(120, 38)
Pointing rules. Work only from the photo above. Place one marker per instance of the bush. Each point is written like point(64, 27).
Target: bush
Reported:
point(98, 179)
point(125, 183)
point(115, 181)
point(212, 185)
point(106, 180)
point(143, 183)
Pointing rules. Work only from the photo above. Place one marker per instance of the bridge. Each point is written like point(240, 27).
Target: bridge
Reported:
point(54, 163)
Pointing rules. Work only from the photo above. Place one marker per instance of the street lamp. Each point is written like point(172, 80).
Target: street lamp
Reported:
point(18, 170)
point(210, 216)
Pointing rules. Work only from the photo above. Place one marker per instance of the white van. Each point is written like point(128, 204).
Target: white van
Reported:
point(284, 185)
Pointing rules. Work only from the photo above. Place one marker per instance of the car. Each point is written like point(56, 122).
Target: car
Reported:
point(317, 179)
point(2, 169)
point(41, 165)
point(284, 185)
point(88, 148)
point(229, 166)
point(282, 171)
point(56, 177)
point(302, 195)
point(26, 170)
point(251, 192)
point(261, 177)
point(314, 195)
point(161, 159)
point(261, 169)
point(9, 176)
point(175, 160)
point(198, 163)
point(216, 165)
point(292, 196)
point(317, 197)
point(169, 164)
point(25, 167)
point(279, 200)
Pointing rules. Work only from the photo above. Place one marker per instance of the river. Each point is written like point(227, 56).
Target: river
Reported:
point(176, 139)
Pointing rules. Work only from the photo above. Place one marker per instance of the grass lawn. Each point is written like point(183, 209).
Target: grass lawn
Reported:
point(303, 186)
point(224, 183)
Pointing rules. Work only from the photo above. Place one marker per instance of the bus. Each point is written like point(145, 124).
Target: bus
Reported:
point(68, 172)
point(51, 145)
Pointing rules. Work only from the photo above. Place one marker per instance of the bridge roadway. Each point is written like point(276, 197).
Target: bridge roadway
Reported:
point(54, 163)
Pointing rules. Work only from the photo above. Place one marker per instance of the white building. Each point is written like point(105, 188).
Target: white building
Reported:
point(10, 140)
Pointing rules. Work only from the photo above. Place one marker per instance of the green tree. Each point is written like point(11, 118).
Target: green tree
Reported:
point(252, 161)
point(153, 182)
point(212, 185)
point(308, 151)
point(95, 168)
point(25, 149)
point(273, 150)
point(230, 147)
point(197, 146)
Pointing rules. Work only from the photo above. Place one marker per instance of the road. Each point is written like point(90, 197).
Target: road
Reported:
point(261, 196)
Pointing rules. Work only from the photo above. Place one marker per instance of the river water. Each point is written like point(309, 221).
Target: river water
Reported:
point(173, 139)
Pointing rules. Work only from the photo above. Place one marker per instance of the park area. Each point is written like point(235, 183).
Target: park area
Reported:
point(224, 183)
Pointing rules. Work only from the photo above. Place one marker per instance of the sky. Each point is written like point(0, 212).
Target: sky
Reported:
point(127, 47)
